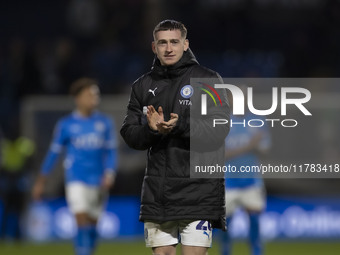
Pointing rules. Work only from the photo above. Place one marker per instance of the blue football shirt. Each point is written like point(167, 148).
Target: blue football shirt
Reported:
point(90, 145)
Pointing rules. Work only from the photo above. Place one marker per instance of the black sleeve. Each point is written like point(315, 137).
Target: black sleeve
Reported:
point(135, 129)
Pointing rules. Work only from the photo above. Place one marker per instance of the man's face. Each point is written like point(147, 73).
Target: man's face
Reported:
point(169, 46)
point(88, 98)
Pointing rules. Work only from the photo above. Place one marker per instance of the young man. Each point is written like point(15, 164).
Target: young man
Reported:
point(17, 152)
point(243, 146)
point(91, 160)
point(174, 207)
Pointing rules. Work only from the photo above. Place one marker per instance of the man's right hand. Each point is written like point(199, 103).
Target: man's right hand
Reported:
point(154, 117)
point(38, 188)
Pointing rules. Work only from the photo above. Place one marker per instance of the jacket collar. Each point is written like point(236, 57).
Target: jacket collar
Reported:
point(188, 59)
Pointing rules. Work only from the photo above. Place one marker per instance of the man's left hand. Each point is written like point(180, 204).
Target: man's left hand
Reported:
point(108, 180)
point(165, 127)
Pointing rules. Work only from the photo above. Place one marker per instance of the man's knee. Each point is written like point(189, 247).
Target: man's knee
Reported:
point(84, 219)
point(194, 250)
point(164, 250)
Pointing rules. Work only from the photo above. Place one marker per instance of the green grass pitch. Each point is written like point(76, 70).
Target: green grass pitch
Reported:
point(138, 248)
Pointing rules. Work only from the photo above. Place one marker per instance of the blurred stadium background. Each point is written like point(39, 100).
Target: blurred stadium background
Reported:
point(44, 46)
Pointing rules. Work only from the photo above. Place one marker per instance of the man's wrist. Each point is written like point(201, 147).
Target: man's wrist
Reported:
point(152, 131)
point(110, 173)
point(42, 179)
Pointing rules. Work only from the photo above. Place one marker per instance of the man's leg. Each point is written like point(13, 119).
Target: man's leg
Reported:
point(86, 204)
point(196, 237)
point(16, 208)
point(226, 243)
point(4, 214)
point(194, 250)
point(254, 234)
point(161, 237)
point(164, 250)
point(232, 197)
point(85, 241)
point(254, 202)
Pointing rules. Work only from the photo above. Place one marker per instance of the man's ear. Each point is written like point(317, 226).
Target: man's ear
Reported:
point(153, 47)
point(186, 44)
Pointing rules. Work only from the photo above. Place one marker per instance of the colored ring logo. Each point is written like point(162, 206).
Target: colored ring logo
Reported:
point(209, 93)
point(187, 91)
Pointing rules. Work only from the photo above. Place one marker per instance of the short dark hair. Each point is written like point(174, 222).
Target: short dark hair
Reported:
point(80, 84)
point(170, 24)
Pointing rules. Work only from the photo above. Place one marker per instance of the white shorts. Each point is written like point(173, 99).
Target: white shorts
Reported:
point(83, 198)
point(186, 232)
point(252, 199)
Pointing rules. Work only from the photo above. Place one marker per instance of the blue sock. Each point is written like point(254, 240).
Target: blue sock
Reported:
point(226, 240)
point(254, 234)
point(85, 240)
point(93, 236)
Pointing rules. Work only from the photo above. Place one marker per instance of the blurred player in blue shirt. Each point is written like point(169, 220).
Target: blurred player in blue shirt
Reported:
point(244, 144)
point(89, 139)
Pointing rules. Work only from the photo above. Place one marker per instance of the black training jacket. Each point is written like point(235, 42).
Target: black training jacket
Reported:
point(168, 192)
